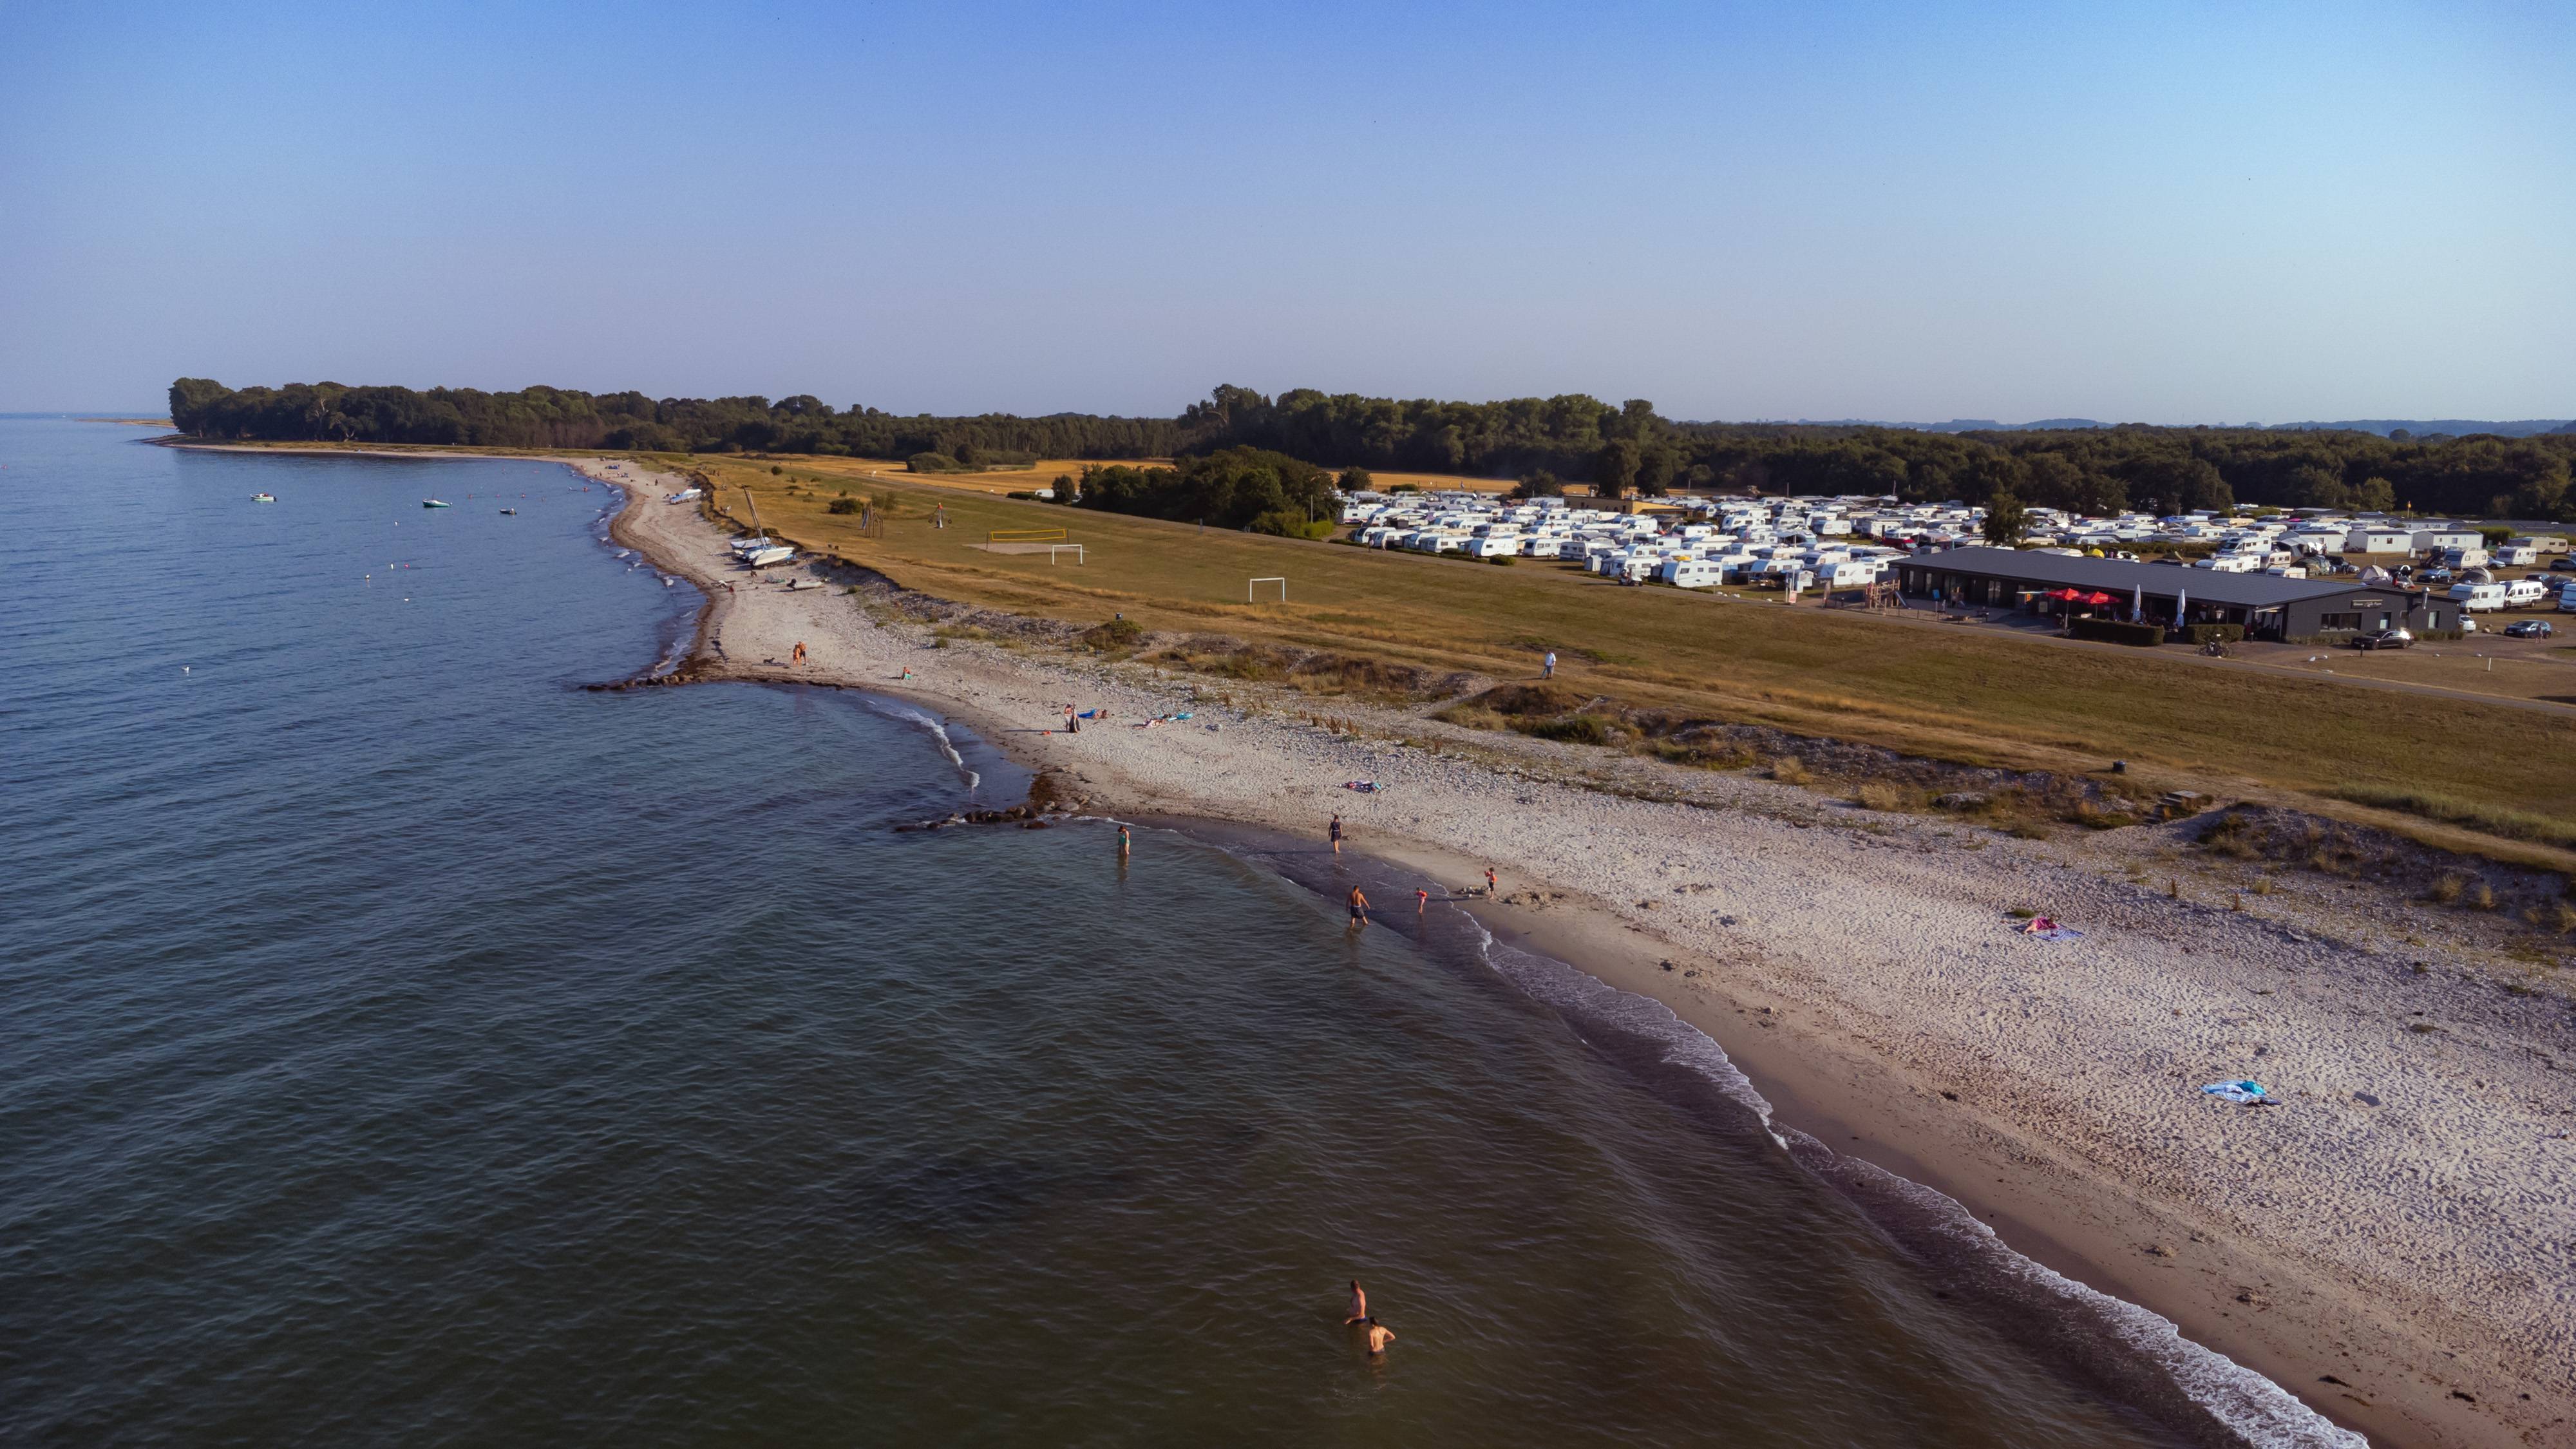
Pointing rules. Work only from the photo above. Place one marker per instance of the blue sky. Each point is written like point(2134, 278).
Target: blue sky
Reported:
point(2165, 213)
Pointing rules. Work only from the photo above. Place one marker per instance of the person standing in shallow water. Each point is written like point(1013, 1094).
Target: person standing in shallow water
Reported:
point(1379, 1336)
point(1336, 832)
point(1359, 909)
point(1122, 842)
point(1359, 1304)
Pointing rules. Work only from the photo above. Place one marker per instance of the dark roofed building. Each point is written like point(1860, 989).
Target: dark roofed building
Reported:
point(2268, 605)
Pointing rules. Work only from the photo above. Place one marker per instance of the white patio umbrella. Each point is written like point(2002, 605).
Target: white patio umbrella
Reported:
point(2138, 605)
point(2178, 603)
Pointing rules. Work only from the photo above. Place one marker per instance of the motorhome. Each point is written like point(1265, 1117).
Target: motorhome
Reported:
point(2525, 593)
point(2477, 598)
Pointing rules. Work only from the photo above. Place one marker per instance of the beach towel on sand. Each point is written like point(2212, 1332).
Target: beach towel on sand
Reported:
point(2048, 930)
point(2246, 1094)
point(1365, 787)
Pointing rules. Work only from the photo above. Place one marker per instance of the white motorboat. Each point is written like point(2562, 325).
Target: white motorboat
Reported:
point(776, 553)
point(433, 503)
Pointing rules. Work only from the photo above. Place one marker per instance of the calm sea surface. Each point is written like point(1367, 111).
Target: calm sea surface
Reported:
point(401, 1046)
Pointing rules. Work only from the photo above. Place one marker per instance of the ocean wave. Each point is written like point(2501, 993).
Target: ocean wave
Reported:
point(938, 733)
point(2137, 1353)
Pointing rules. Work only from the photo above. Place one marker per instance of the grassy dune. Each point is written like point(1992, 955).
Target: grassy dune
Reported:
point(1957, 694)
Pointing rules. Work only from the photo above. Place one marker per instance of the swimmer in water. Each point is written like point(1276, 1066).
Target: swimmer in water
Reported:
point(1359, 907)
point(1379, 1336)
point(1359, 1305)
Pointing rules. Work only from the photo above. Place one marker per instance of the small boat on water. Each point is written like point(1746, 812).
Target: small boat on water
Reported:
point(433, 503)
point(511, 511)
point(263, 498)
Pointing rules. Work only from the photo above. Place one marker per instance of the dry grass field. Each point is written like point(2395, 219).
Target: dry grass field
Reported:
point(1975, 696)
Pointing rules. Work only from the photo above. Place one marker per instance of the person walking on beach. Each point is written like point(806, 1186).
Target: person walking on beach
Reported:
point(1359, 1305)
point(1359, 908)
point(1336, 832)
point(1489, 882)
point(1547, 670)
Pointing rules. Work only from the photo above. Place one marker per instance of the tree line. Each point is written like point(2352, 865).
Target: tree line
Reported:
point(1543, 442)
point(545, 417)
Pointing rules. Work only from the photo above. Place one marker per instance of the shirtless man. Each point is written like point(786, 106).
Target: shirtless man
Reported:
point(1379, 1336)
point(1359, 908)
point(1359, 1305)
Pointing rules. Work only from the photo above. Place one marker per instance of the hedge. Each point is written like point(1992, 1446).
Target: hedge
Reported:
point(2115, 631)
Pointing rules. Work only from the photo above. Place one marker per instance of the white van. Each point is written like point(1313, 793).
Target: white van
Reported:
point(2525, 593)
point(2477, 598)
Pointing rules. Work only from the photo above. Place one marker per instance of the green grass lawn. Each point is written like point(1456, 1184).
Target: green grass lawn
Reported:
point(1970, 695)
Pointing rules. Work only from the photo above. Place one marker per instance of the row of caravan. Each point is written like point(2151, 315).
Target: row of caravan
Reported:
point(2524, 593)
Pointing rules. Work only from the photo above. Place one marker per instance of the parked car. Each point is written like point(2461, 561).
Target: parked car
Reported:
point(2384, 639)
point(2434, 576)
point(2563, 563)
point(2529, 629)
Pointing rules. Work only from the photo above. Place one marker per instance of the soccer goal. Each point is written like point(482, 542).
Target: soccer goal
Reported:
point(1055, 550)
point(1024, 535)
point(1253, 588)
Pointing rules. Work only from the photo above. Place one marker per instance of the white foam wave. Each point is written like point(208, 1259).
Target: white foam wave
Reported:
point(939, 736)
point(2140, 1352)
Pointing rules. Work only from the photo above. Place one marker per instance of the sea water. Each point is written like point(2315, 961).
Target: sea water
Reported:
point(402, 1045)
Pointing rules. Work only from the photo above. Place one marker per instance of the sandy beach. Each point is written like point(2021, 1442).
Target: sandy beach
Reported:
point(2394, 1242)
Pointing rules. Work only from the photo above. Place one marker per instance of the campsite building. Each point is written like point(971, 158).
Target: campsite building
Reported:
point(2268, 605)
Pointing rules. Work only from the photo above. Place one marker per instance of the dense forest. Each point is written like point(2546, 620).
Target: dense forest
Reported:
point(1619, 449)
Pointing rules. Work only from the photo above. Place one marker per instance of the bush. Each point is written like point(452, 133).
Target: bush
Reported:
point(2115, 631)
point(2214, 633)
point(935, 463)
point(1573, 729)
point(843, 504)
point(1499, 558)
point(1280, 523)
point(1114, 634)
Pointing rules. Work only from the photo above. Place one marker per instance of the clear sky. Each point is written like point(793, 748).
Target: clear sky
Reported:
point(2168, 213)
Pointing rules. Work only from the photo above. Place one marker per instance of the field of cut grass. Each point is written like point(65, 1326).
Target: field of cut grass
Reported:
point(1971, 695)
point(1040, 474)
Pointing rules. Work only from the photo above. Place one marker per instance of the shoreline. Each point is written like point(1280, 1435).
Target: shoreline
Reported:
point(1891, 1075)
